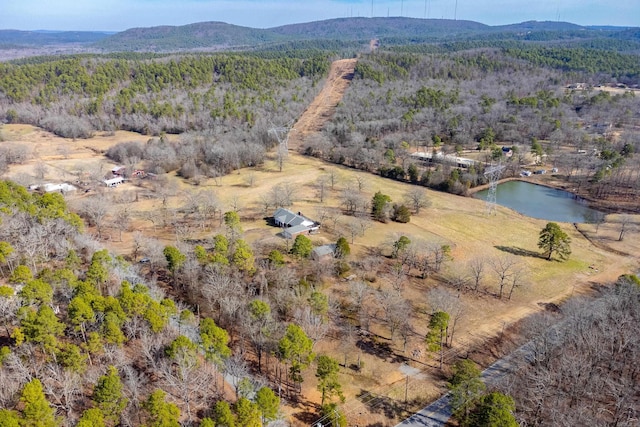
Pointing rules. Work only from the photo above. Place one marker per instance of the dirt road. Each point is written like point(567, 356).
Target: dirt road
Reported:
point(324, 105)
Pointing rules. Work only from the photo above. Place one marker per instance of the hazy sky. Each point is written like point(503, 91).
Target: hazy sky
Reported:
point(117, 15)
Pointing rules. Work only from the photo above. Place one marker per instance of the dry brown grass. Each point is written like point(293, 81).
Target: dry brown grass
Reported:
point(457, 221)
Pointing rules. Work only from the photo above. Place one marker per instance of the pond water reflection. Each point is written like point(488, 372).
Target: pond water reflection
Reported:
point(542, 202)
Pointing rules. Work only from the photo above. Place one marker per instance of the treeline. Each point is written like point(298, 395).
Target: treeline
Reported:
point(468, 101)
point(612, 57)
point(196, 155)
point(624, 67)
point(579, 367)
point(75, 96)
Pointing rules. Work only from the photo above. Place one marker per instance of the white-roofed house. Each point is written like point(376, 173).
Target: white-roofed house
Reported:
point(294, 224)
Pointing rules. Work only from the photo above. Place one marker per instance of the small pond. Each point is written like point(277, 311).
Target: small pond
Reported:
point(542, 202)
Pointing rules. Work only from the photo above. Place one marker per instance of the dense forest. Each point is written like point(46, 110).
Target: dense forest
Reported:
point(482, 99)
point(76, 96)
point(104, 344)
point(579, 367)
point(453, 97)
point(173, 333)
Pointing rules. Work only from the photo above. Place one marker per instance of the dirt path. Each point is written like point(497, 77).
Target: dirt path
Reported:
point(324, 105)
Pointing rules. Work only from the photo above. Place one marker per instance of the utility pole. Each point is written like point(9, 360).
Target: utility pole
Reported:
point(406, 389)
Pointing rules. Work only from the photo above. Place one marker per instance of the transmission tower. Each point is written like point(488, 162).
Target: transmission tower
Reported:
point(282, 134)
point(493, 174)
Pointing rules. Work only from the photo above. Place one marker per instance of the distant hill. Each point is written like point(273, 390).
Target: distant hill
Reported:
point(367, 28)
point(341, 31)
point(539, 26)
point(185, 37)
point(221, 35)
point(392, 30)
point(43, 38)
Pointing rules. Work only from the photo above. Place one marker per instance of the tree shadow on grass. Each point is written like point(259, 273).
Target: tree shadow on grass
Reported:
point(382, 349)
point(378, 404)
point(308, 413)
point(519, 251)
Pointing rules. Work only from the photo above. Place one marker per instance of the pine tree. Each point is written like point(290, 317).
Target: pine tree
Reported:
point(379, 206)
point(37, 412)
point(268, 403)
point(493, 410)
point(175, 259)
point(161, 413)
point(247, 413)
point(327, 374)
point(223, 416)
point(92, 417)
point(436, 337)
point(554, 240)
point(342, 248)
point(466, 388)
point(108, 396)
point(214, 341)
point(296, 348)
point(302, 246)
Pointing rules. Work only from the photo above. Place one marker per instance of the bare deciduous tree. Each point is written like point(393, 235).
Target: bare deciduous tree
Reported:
point(477, 268)
point(95, 210)
point(441, 299)
point(40, 169)
point(504, 267)
point(416, 198)
point(395, 309)
point(626, 224)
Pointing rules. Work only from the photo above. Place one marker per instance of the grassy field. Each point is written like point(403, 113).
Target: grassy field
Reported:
point(459, 222)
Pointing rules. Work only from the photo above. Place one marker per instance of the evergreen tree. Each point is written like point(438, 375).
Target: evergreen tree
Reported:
point(220, 250)
point(21, 274)
point(9, 418)
point(37, 291)
point(108, 396)
point(37, 412)
point(222, 415)
point(80, 313)
point(342, 248)
point(276, 258)
point(175, 259)
point(161, 413)
point(401, 214)
point(493, 410)
point(302, 246)
point(70, 357)
point(214, 341)
point(182, 348)
point(334, 417)
point(327, 374)
point(92, 417)
point(296, 348)
point(379, 206)
point(247, 413)
point(232, 221)
point(98, 273)
point(437, 333)
point(268, 403)
point(554, 240)
point(400, 245)
point(112, 331)
point(41, 327)
point(243, 257)
point(466, 388)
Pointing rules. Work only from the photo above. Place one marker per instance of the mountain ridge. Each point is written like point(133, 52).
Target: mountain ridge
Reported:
point(221, 35)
